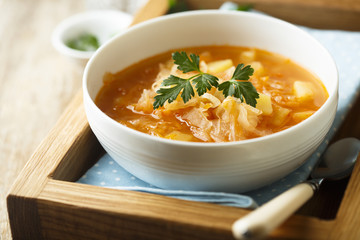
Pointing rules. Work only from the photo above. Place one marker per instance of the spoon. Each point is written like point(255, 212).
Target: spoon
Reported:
point(337, 162)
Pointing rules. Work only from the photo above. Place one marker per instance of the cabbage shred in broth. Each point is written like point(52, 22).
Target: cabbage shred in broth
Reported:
point(288, 95)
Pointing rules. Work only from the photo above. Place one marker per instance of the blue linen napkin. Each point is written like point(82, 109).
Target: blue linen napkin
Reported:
point(344, 46)
point(106, 172)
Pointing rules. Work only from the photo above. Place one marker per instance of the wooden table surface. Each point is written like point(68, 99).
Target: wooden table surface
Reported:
point(36, 82)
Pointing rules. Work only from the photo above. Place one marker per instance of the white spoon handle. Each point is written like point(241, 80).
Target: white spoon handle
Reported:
point(263, 220)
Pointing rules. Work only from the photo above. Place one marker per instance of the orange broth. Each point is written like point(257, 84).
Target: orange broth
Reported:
point(275, 78)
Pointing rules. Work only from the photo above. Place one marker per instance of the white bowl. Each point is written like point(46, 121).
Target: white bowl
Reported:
point(104, 24)
point(234, 166)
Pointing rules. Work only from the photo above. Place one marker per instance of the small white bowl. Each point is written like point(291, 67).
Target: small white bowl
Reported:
point(234, 166)
point(103, 24)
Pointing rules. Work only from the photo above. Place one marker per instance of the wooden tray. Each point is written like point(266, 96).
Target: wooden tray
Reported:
point(45, 203)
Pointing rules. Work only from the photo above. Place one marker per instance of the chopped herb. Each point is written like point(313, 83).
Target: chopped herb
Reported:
point(85, 42)
point(170, 94)
point(203, 82)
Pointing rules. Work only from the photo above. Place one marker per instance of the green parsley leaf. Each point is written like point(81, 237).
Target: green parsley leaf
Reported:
point(170, 94)
point(205, 82)
point(243, 73)
point(242, 89)
point(186, 64)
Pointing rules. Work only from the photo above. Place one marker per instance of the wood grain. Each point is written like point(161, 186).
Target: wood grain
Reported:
point(47, 161)
point(326, 14)
point(147, 216)
point(36, 85)
point(346, 227)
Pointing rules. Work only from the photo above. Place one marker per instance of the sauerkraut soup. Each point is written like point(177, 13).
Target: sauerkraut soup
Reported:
point(288, 94)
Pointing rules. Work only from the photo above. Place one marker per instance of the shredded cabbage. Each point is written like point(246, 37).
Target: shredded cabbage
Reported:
point(210, 117)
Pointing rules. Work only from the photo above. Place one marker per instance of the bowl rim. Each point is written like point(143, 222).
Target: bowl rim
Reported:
point(333, 96)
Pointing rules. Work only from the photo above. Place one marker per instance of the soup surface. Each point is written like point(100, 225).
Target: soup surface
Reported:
point(288, 94)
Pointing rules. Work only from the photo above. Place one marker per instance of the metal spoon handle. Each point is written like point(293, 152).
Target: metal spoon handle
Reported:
point(260, 222)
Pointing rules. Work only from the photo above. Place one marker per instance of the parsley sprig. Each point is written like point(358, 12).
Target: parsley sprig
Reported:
point(203, 82)
point(241, 89)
